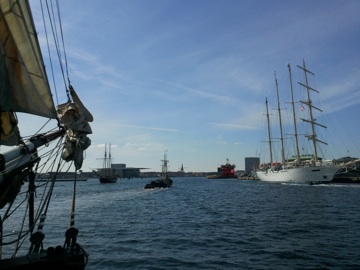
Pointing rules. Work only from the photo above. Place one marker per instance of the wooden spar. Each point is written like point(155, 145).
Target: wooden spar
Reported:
point(43, 139)
point(310, 106)
point(280, 122)
point(294, 117)
point(269, 134)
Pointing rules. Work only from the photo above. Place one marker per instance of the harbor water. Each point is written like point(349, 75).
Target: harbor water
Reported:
point(202, 223)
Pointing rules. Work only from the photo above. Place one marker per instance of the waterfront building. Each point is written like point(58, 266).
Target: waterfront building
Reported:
point(251, 164)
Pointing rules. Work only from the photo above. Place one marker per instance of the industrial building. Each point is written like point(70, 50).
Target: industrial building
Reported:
point(251, 164)
point(121, 171)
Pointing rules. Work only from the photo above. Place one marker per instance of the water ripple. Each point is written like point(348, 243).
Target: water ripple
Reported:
point(216, 224)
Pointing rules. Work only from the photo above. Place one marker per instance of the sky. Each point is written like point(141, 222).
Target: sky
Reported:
point(191, 77)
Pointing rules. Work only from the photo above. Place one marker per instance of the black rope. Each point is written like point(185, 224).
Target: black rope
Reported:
point(48, 48)
point(57, 42)
point(63, 43)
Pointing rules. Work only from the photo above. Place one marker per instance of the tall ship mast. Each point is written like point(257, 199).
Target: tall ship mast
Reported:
point(310, 106)
point(164, 180)
point(107, 173)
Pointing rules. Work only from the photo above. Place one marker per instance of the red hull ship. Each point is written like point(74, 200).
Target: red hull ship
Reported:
point(225, 171)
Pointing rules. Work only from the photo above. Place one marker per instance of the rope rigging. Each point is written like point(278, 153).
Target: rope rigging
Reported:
point(32, 163)
point(58, 36)
point(54, 22)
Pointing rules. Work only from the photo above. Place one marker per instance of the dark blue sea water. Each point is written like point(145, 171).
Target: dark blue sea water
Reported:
point(214, 224)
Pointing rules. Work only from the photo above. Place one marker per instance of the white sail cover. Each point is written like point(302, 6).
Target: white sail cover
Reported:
point(24, 85)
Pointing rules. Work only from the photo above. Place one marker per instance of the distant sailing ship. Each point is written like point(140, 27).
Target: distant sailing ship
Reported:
point(33, 163)
point(107, 173)
point(164, 180)
point(302, 168)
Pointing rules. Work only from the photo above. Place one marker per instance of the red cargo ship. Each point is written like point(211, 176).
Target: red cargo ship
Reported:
point(225, 171)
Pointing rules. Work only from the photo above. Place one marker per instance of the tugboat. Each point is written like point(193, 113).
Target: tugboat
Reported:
point(224, 171)
point(164, 180)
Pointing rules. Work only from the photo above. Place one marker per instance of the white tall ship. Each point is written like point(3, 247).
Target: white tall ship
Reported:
point(302, 169)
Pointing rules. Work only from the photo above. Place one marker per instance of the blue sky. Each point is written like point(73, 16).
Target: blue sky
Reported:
point(191, 77)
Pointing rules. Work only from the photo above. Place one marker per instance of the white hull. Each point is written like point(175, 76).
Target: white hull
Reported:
point(307, 174)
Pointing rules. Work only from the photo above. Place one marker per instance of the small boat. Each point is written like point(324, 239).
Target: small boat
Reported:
point(349, 172)
point(164, 181)
point(30, 165)
point(224, 171)
point(303, 168)
point(107, 173)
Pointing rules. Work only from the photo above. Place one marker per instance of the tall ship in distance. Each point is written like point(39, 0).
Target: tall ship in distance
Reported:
point(305, 168)
point(164, 180)
point(107, 173)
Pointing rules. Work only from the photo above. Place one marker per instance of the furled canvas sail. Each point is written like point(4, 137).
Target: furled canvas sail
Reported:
point(24, 85)
point(9, 132)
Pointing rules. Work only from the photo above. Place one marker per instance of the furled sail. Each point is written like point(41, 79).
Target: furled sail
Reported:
point(23, 82)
